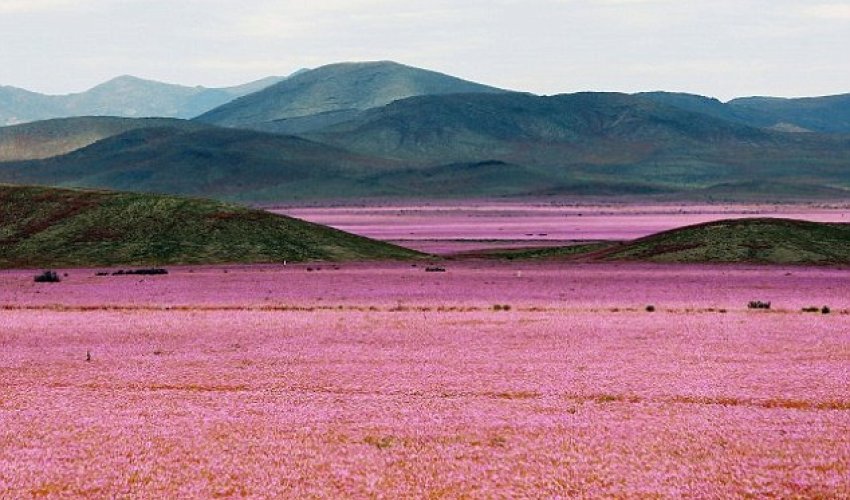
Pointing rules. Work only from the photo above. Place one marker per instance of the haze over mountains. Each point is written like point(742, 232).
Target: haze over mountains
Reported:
point(124, 96)
point(383, 129)
point(48, 138)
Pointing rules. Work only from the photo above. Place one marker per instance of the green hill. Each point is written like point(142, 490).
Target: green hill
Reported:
point(44, 227)
point(755, 240)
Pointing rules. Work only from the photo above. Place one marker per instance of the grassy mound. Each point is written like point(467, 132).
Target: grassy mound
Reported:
point(45, 227)
point(756, 240)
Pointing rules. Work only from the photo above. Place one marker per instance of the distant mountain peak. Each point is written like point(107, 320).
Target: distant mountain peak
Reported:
point(122, 96)
point(338, 88)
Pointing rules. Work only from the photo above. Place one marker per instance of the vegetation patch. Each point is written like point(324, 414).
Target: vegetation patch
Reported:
point(45, 227)
point(754, 240)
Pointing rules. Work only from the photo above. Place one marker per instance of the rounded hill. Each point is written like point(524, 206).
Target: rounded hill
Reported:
point(44, 227)
point(753, 240)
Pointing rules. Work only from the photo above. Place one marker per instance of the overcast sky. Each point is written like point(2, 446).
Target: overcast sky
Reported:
point(722, 48)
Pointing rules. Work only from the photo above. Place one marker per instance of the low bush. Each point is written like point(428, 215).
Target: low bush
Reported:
point(48, 277)
point(825, 310)
point(811, 309)
point(435, 269)
point(757, 304)
point(650, 308)
point(145, 272)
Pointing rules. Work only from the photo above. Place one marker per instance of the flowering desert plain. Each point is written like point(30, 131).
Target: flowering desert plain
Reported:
point(487, 379)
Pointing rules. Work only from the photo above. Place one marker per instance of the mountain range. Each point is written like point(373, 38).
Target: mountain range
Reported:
point(383, 129)
point(124, 96)
point(829, 114)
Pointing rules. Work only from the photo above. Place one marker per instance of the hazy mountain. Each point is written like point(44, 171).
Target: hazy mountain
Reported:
point(711, 107)
point(594, 142)
point(334, 93)
point(830, 114)
point(215, 162)
point(48, 138)
point(465, 145)
point(819, 114)
point(125, 96)
point(44, 227)
point(514, 126)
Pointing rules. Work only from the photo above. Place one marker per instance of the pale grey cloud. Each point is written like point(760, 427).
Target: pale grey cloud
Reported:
point(21, 6)
point(724, 47)
point(834, 11)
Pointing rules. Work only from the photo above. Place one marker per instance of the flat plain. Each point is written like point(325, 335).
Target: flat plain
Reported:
point(490, 379)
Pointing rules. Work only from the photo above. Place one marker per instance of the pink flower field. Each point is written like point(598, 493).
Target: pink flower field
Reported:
point(384, 381)
point(445, 229)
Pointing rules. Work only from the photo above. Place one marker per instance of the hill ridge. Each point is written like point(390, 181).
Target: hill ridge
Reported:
point(766, 240)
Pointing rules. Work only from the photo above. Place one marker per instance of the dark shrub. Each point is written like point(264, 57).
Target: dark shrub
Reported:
point(48, 277)
point(650, 308)
point(435, 269)
point(757, 304)
point(825, 310)
point(811, 309)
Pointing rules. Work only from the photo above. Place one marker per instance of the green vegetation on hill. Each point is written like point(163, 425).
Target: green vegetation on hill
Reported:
point(44, 227)
point(754, 240)
point(750, 241)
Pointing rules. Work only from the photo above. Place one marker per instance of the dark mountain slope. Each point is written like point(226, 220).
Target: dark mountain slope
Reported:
point(595, 141)
point(711, 107)
point(829, 114)
point(42, 227)
point(220, 163)
point(464, 127)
